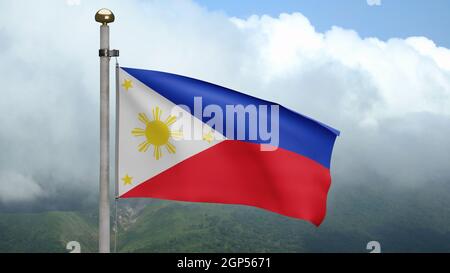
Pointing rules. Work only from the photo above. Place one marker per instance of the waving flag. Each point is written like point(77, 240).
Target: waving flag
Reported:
point(184, 139)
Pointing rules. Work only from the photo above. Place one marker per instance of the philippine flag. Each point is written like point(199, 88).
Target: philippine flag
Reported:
point(184, 139)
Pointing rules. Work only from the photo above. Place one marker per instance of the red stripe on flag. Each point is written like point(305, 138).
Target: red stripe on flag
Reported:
point(236, 172)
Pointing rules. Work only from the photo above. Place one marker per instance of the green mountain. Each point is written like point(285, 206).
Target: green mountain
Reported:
point(403, 219)
point(46, 232)
point(415, 219)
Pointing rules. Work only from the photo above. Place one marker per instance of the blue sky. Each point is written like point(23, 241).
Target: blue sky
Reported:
point(393, 18)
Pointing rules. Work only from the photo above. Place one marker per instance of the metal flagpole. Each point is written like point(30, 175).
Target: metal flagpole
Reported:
point(104, 16)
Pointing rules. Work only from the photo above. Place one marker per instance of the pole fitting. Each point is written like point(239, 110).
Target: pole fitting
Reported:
point(108, 52)
point(104, 16)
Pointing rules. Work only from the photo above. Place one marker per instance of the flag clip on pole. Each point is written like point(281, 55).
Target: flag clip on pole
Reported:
point(104, 16)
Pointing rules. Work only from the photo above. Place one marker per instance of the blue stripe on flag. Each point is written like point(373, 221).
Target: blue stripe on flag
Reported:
point(297, 132)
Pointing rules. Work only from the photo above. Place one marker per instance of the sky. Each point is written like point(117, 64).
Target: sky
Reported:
point(383, 19)
point(384, 85)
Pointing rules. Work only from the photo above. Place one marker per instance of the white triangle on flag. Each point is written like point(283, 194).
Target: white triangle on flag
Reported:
point(136, 167)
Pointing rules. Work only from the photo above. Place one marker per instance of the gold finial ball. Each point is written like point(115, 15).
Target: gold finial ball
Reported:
point(104, 16)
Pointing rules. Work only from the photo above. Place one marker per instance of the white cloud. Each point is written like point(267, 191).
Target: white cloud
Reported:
point(73, 2)
point(403, 73)
point(15, 187)
point(374, 2)
point(390, 99)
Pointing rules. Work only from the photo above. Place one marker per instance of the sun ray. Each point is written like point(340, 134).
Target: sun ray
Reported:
point(157, 152)
point(170, 148)
point(143, 118)
point(170, 120)
point(144, 146)
point(138, 132)
point(156, 113)
point(176, 134)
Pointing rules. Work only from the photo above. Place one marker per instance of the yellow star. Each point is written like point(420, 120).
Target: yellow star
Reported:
point(127, 180)
point(127, 84)
point(209, 137)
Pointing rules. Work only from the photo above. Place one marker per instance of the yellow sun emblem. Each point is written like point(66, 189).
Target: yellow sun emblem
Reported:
point(156, 132)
